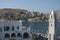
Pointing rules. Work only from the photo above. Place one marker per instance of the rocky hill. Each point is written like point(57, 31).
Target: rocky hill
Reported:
point(22, 14)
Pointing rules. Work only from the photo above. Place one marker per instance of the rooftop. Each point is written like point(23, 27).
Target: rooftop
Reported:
point(5, 19)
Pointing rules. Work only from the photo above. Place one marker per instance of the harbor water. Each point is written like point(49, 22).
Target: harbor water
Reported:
point(41, 26)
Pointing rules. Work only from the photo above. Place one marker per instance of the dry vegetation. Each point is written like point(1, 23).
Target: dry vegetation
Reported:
point(24, 15)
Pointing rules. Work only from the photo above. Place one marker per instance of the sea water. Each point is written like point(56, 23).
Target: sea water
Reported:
point(41, 26)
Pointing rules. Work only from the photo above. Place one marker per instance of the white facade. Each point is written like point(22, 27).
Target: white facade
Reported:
point(12, 30)
point(51, 35)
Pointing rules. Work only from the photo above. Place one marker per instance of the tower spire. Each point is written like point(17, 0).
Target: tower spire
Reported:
point(52, 12)
point(51, 35)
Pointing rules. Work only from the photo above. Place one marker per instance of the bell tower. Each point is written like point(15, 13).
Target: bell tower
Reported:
point(51, 34)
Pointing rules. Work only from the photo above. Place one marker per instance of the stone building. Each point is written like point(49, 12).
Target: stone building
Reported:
point(13, 30)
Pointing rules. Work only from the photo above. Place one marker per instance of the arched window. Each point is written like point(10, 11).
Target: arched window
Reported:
point(7, 35)
point(51, 16)
point(51, 24)
point(19, 35)
point(25, 35)
point(13, 35)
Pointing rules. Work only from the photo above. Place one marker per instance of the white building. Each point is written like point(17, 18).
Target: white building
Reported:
point(13, 30)
point(53, 27)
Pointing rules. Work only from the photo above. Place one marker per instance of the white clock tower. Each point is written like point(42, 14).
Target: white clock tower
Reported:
point(51, 34)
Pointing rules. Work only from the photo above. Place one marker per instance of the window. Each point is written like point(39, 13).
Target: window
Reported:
point(51, 24)
point(17, 27)
point(6, 28)
point(0, 29)
point(12, 28)
point(13, 35)
point(51, 16)
point(19, 35)
point(7, 35)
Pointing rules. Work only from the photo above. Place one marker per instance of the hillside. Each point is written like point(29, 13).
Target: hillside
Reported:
point(24, 15)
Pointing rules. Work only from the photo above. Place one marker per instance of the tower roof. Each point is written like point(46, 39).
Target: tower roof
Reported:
point(52, 12)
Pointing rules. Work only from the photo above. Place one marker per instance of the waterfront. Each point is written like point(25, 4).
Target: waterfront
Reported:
point(42, 26)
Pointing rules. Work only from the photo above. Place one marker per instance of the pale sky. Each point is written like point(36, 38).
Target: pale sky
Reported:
point(44, 6)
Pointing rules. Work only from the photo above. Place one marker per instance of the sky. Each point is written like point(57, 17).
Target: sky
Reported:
point(44, 6)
